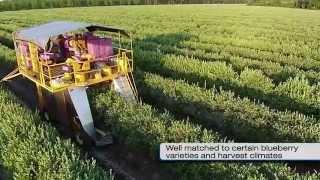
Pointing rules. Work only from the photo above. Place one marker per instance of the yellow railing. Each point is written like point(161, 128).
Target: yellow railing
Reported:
point(53, 73)
point(60, 76)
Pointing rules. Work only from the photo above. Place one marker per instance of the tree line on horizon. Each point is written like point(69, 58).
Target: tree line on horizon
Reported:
point(306, 4)
point(12, 5)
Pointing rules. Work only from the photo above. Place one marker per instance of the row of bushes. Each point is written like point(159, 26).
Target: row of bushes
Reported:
point(142, 127)
point(232, 116)
point(253, 84)
point(277, 72)
point(6, 39)
point(305, 57)
point(304, 63)
point(32, 149)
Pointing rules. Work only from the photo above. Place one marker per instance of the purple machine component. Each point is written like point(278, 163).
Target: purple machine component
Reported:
point(50, 56)
point(66, 68)
point(100, 48)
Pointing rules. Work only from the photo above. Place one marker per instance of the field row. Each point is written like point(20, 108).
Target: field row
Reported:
point(143, 128)
point(238, 47)
point(274, 70)
point(296, 94)
point(304, 63)
point(234, 117)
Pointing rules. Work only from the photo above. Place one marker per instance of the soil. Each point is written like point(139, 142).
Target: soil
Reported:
point(305, 167)
point(4, 174)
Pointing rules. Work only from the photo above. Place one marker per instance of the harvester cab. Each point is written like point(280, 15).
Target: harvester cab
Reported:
point(63, 59)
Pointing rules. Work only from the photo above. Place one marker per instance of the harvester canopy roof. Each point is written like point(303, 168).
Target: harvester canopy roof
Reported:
point(44, 33)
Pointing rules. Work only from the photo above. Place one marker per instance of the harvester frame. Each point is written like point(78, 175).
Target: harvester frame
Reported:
point(61, 86)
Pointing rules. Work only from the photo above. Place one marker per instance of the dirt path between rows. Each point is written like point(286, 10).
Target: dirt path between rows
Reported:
point(4, 174)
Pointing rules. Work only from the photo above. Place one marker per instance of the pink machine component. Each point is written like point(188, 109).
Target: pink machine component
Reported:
point(100, 48)
point(24, 48)
point(50, 56)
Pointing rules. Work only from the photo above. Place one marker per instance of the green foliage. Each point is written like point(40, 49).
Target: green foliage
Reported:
point(12, 5)
point(300, 89)
point(32, 149)
point(274, 65)
point(234, 117)
point(7, 60)
point(281, 3)
point(143, 128)
point(256, 79)
point(252, 84)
